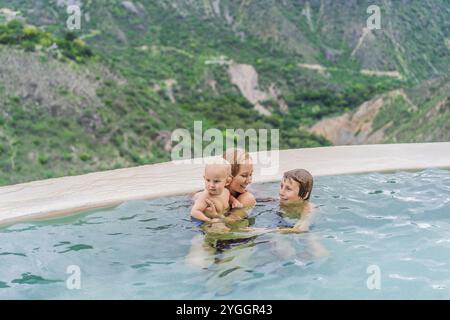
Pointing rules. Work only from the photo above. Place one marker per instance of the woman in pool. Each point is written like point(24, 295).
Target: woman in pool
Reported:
point(241, 172)
point(204, 247)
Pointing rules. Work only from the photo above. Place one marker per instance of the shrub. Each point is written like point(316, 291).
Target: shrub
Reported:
point(85, 157)
point(29, 37)
point(43, 159)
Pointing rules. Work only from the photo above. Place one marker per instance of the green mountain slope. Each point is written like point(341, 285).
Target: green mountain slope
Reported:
point(109, 94)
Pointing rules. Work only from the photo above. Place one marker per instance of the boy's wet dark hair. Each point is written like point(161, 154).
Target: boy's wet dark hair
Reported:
point(304, 179)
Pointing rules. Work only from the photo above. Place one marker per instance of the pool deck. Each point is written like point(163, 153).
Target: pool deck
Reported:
point(61, 196)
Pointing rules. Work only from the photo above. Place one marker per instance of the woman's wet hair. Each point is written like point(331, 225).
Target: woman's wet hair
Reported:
point(236, 157)
point(304, 179)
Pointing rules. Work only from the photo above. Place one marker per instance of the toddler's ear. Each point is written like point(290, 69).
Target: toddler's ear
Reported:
point(228, 181)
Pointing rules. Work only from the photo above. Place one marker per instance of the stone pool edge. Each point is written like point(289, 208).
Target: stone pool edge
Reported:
point(67, 195)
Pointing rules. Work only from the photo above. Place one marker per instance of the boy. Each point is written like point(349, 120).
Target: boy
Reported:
point(217, 176)
point(295, 191)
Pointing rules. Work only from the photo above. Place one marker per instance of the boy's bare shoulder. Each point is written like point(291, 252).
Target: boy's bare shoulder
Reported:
point(309, 206)
point(200, 198)
point(197, 195)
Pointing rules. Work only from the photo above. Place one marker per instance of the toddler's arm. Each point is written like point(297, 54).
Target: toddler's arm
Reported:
point(198, 210)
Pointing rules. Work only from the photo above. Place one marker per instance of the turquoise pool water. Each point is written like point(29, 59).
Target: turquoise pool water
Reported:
point(396, 223)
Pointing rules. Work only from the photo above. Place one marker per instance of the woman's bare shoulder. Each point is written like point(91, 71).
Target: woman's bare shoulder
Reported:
point(247, 199)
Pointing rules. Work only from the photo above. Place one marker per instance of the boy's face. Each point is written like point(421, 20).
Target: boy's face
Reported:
point(216, 179)
point(289, 191)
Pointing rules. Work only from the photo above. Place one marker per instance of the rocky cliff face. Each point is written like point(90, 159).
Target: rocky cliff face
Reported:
point(398, 116)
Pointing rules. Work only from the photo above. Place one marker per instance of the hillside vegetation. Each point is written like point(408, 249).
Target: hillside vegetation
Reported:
point(110, 94)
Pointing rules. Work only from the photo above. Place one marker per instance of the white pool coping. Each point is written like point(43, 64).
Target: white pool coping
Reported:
point(66, 195)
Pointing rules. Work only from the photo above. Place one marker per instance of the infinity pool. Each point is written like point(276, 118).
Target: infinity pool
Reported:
point(397, 224)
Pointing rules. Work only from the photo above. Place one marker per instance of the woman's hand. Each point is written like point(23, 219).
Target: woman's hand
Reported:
point(236, 204)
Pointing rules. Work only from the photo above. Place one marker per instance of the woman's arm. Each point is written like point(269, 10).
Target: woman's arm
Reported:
point(240, 213)
point(247, 199)
point(236, 215)
point(235, 203)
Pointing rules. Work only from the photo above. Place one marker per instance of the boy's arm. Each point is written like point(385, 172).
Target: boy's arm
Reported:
point(211, 210)
point(303, 224)
point(198, 210)
point(306, 218)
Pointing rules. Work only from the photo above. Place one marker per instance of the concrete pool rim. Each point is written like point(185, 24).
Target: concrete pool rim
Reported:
point(67, 195)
